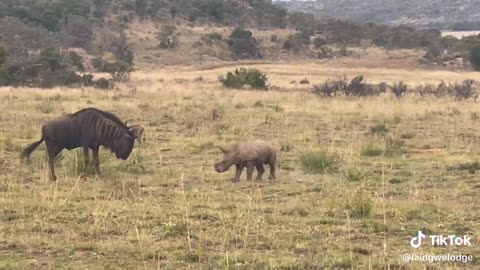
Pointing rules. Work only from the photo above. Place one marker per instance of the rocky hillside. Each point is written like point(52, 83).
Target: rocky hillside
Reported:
point(443, 14)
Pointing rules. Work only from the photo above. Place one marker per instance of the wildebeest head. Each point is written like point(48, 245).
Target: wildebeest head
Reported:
point(227, 162)
point(125, 142)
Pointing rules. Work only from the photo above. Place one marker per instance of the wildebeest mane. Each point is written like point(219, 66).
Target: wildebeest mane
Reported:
point(103, 126)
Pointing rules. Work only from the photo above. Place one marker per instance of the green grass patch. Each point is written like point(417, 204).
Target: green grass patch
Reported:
point(318, 162)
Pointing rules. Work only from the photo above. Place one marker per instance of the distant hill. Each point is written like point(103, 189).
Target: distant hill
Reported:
point(441, 14)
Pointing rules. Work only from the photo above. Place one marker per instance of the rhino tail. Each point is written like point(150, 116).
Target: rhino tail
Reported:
point(27, 151)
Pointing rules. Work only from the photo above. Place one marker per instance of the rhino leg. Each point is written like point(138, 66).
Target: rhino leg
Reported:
point(53, 150)
point(260, 171)
point(250, 168)
point(85, 160)
point(96, 160)
point(238, 172)
point(272, 170)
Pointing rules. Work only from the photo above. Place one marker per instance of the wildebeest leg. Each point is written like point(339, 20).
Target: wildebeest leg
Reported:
point(238, 172)
point(260, 171)
point(96, 160)
point(85, 159)
point(272, 170)
point(250, 167)
point(53, 151)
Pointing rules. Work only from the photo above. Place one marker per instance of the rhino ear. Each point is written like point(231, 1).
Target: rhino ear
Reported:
point(137, 131)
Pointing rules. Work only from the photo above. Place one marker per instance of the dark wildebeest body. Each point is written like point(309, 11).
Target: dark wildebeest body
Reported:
point(250, 155)
point(87, 128)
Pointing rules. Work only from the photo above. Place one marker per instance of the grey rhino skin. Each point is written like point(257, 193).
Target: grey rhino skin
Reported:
point(250, 155)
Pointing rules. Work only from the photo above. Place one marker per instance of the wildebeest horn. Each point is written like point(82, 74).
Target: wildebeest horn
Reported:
point(137, 130)
point(223, 149)
point(126, 121)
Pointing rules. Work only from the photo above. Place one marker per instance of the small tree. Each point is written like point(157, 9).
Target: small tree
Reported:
point(242, 43)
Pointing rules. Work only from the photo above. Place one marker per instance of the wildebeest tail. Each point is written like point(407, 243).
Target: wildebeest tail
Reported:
point(27, 151)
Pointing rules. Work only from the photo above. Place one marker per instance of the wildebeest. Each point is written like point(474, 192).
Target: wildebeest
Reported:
point(87, 128)
point(250, 155)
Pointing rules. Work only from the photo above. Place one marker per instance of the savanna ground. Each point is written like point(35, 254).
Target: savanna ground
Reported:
point(399, 166)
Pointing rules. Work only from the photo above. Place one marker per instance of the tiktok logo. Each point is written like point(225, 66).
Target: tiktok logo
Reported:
point(416, 242)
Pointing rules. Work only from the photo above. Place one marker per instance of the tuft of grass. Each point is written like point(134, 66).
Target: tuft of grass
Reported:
point(393, 146)
point(471, 167)
point(318, 162)
point(379, 129)
point(9, 146)
point(258, 104)
point(372, 150)
point(200, 148)
point(239, 106)
point(360, 206)
point(407, 136)
point(362, 250)
point(354, 174)
point(45, 107)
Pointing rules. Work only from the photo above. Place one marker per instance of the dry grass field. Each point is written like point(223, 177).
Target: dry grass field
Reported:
point(394, 167)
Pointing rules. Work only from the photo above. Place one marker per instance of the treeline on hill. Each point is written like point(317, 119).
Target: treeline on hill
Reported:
point(39, 40)
point(50, 42)
point(315, 34)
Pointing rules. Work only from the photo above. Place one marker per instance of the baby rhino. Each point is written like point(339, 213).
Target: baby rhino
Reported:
point(248, 155)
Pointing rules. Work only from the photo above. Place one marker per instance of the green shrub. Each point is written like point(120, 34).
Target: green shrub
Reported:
point(241, 77)
point(318, 162)
point(234, 80)
point(256, 79)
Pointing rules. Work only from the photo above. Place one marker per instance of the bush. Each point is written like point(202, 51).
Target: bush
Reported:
point(319, 42)
point(304, 81)
point(325, 89)
point(325, 52)
point(167, 38)
point(399, 89)
point(296, 43)
point(242, 43)
point(379, 128)
point(475, 57)
point(118, 70)
point(318, 162)
point(241, 77)
point(256, 79)
point(212, 38)
point(103, 83)
point(356, 87)
point(465, 90)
